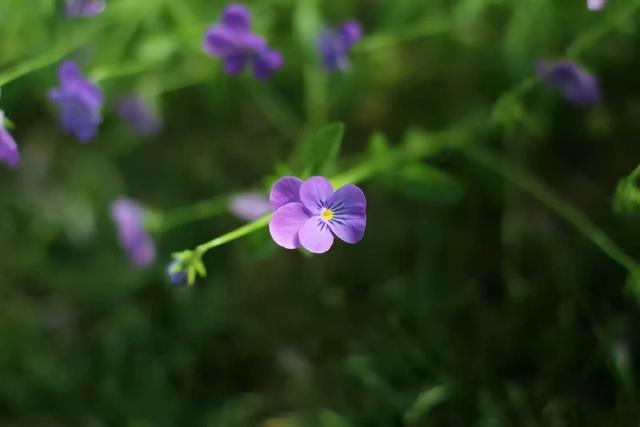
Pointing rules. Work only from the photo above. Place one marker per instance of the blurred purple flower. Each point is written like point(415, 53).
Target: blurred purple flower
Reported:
point(309, 213)
point(178, 278)
point(249, 206)
point(9, 154)
point(334, 44)
point(134, 239)
point(577, 86)
point(138, 115)
point(595, 4)
point(233, 41)
point(79, 101)
point(84, 8)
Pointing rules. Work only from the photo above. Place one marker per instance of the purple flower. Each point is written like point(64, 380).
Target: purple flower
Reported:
point(137, 243)
point(595, 4)
point(79, 102)
point(309, 213)
point(178, 278)
point(9, 154)
point(84, 8)
point(334, 44)
point(138, 115)
point(249, 206)
point(233, 41)
point(577, 86)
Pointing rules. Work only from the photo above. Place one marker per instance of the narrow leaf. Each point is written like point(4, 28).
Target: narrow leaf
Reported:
point(323, 148)
point(424, 182)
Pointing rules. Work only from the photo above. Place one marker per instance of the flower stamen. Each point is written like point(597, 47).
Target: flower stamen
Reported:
point(326, 214)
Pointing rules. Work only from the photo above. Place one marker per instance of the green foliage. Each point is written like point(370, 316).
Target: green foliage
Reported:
point(321, 150)
point(428, 184)
point(494, 285)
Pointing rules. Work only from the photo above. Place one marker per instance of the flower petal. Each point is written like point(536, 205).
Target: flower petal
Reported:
point(285, 190)
point(218, 41)
point(249, 206)
point(134, 239)
point(315, 235)
point(595, 4)
point(9, 154)
point(286, 223)
point(351, 32)
point(577, 85)
point(234, 64)
point(314, 193)
point(84, 8)
point(236, 17)
point(349, 206)
point(266, 62)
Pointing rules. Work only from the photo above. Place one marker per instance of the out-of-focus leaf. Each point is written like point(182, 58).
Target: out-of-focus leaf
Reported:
point(322, 149)
point(425, 401)
point(329, 418)
point(157, 48)
point(627, 197)
point(378, 146)
point(424, 182)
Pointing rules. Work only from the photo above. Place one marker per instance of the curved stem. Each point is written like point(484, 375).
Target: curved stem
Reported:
point(186, 214)
point(425, 29)
point(47, 58)
point(555, 203)
point(235, 234)
point(107, 72)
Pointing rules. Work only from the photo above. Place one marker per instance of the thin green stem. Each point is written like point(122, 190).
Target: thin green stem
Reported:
point(235, 234)
point(184, 215)
point(276, 111)
point(46, 58)
point(425, 29)
point(107, 72)
point(555, 203)
point(618, 19)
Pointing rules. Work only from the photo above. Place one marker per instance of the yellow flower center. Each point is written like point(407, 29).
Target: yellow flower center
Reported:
point(326, 214)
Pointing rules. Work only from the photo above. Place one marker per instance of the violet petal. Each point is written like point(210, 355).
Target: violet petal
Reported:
point(286, 223)
point(314, 193)
point(315, 235)
point(285, 190)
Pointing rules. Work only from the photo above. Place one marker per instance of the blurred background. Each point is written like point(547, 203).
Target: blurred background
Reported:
point(476, 305)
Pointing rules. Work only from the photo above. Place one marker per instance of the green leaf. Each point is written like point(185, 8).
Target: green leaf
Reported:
point(423, 182)
point(330, 418)
point(425, 401)
point(322, 149)
point(378, 146)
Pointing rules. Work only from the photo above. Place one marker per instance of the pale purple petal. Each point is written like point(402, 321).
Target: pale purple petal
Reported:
point(266, 62)
point(138, 115)
point(334, 44)
point(236, 17)
point(178, 278)
point(251, 43)
point(595, 4)
point(315, 235)
point(134, 239)
point(349, 207)
point(249, 206)
point(84, 8)
point(9, 154)
point(285, 190)
point(314, 193)
point(286, 223)
point(234, 64)
point(79, 102)
point(351, 32)
point(218, 41)
point(577, 86)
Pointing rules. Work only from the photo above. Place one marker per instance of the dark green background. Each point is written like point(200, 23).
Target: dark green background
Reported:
point(488, 311)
